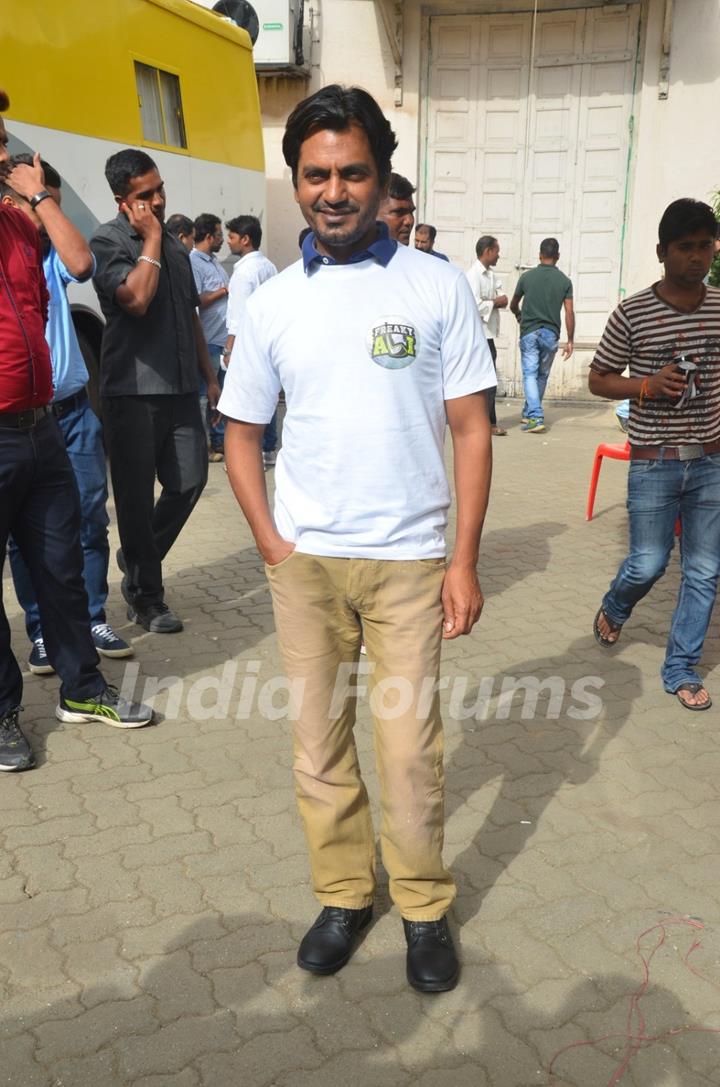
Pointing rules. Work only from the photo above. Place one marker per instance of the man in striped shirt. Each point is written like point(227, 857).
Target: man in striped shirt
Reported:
point(674, 432)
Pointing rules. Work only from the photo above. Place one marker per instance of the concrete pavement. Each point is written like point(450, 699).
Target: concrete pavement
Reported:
point(155, 885)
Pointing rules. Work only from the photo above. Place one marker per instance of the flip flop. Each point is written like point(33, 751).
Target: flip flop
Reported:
point(693, 688)
point(614, 629)
point(499, 431)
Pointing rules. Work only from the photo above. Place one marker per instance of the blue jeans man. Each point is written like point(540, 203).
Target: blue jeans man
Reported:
point(660, 491)
point(537, 353)
point(82, 433)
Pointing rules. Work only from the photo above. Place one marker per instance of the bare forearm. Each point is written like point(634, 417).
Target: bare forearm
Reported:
point(208, 297)
point(138, 290)
point(229, 344)
point(614, 386)
point(243, 457)
point(71, 247)
point(472, 472)
point(570, 326)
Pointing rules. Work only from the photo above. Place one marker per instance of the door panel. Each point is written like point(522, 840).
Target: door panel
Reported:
point(526, 154)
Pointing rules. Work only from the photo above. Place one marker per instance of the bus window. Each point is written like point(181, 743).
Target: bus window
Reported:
point(160, 106)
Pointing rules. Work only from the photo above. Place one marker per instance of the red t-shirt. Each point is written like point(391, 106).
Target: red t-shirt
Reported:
point(25, 370)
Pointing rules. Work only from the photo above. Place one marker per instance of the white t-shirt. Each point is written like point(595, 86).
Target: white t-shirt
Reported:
point(367, 355)
point(486, 285)
point(247, 275)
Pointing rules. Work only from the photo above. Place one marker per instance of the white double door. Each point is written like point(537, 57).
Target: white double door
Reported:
point(528, 135)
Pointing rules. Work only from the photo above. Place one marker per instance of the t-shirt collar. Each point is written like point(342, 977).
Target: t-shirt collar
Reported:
point(381, 250)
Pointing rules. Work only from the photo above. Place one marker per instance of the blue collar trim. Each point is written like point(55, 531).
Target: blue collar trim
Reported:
point(381, 250)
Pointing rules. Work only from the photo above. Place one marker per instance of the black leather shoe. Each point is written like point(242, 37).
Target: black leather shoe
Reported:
point(328, 945)
point(432, 965)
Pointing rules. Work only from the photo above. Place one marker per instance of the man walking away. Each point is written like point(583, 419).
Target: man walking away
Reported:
point(376, 347)
point(425, 236)
point(253, 269)
point(153, 357)
point(211, 281)
point(397, 209)
point(67, 259)
point(487, 290)
point(668, 339)
point(545, 291)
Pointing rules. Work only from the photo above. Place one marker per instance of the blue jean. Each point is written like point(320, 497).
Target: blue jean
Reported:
point(82, 433)
point(39, 506)
point(660, 491)
point(537, 352)
point(215, 434)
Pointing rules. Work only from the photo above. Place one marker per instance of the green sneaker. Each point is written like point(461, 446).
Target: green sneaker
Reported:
point(107, 706)
point(533, 426)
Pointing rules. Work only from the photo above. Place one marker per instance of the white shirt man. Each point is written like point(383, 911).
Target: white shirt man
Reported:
point(487, 289)
point(376, 348)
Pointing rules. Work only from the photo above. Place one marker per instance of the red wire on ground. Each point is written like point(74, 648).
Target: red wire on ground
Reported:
point(635, 1036)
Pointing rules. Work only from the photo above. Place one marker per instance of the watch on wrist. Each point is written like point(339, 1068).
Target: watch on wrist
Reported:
point(38, 198)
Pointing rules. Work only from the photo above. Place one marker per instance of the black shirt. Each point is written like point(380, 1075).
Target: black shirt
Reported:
point(154, 354)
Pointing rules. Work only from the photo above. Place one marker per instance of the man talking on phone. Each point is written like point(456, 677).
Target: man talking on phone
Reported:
point(153, 356)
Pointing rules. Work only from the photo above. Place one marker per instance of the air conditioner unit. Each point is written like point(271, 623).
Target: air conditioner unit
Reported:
point(279, 42)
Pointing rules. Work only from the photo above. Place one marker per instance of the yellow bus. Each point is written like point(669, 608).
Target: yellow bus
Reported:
point(86, 79)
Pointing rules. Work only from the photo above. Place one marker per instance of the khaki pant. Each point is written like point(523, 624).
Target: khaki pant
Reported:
point(319, 605)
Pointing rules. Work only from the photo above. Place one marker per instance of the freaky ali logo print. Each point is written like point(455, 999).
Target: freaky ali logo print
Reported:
point(392, 343)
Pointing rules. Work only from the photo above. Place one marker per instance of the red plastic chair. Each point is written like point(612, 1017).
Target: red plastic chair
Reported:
point(614, 450)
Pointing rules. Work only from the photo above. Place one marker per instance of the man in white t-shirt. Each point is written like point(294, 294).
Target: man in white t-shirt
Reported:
point(487, 288)
point(374, 344)
point(244, 239)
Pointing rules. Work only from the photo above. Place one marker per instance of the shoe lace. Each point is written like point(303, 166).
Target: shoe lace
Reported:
point(39, 644)
point(9, 721)
point(104, 631)
point(108, 696)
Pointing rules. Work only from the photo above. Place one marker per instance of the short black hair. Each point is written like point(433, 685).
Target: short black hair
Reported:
point(179, 224)
point(683, 217)
point(399, 188)
point(550, 247)
point(123, 166)
point(52, 177)
point(4, 101)
point(430, 229)
point(246, 224)
point(303, 235)
point(337, 107)
point(485, 241)
point(205, 224)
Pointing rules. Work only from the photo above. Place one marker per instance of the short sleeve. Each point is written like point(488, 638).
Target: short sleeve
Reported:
point(240, 289)
point(198, 275)
point(467, 364)
point(569, 289)
point(520, 286)
point(614, 352)
point(66, 277)
point(252, 384)
point(113, 265)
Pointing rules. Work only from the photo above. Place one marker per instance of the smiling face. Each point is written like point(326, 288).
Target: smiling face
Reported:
point(338, 190)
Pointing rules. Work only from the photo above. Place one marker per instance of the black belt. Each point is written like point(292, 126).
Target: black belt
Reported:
point(70, 403)
point(673, 452)
point(24, 420)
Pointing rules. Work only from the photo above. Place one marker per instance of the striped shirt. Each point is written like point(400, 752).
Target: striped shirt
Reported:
point(644, 334)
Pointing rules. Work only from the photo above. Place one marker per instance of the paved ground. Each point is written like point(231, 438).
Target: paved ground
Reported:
point(154, 884)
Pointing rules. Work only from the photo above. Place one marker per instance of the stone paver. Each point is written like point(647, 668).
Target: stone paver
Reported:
point(154, 883)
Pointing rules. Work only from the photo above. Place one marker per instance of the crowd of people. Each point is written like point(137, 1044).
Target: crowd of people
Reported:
point(378, 350)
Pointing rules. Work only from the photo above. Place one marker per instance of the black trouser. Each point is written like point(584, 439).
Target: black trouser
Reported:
point(39, 505)
point(491, 392)
point(149, 436)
